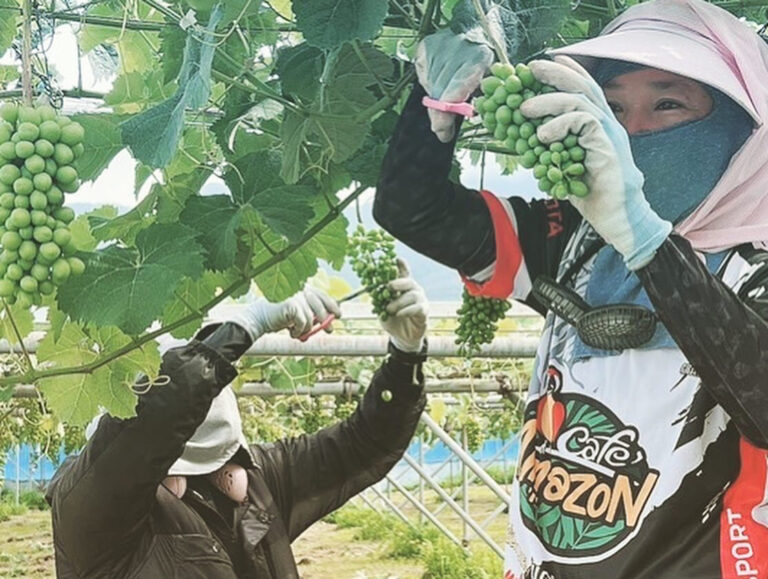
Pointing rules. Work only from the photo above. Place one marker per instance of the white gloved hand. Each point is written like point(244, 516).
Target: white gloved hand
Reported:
point(450, 67)
point(615, 206)
point(406, 323)
point(298, 313)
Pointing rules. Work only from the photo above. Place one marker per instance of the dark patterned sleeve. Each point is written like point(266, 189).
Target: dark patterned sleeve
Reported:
point(722, 337)
point(418, 204)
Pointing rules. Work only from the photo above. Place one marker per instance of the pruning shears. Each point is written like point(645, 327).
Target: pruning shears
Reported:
point(319, 326)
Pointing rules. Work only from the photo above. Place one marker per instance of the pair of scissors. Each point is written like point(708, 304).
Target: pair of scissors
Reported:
point(319, 326)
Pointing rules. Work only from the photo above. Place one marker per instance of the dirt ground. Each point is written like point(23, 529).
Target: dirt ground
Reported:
point(323, 552)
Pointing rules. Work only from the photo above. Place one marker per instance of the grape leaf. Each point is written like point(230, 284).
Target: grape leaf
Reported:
point(215, 220)
point(126, 226)
point(299, 68)
point(129, 287)
point(80, 228)
point(256, 181)
point(77, 398)
point(8, 72)
point(136, 48)
point(22, 318)
point(173, 195)
point(335, 120)
point(133, 92)
point(192, 293)
point(154, 135)
point(172, 41)
point(288, 276)
point(11, 14)
point(331, 23)
point(102, 142)
point(293, 133)
point(527, 25)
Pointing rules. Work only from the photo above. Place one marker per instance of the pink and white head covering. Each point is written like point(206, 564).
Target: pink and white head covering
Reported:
point(698, 40)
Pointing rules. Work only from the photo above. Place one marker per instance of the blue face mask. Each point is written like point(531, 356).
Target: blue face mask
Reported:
point(683, 164)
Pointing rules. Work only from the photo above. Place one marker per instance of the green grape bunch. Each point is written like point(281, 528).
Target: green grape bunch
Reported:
point(37, 150)
point(558, 167)
point(373, 259)
point(478, 317)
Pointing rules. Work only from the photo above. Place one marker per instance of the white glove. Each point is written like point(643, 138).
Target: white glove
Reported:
point(615, 206)
point(406, 323)
point(450, 67)
point(298, 313)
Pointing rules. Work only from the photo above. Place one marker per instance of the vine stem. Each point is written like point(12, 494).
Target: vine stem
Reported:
point(501, 54)
point(26, 53)
point(426, 20)
point(18, 335)
point(34, 375)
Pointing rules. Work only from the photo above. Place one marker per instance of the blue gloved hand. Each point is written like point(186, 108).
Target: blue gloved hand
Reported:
point(615, 206)
point(450, 67)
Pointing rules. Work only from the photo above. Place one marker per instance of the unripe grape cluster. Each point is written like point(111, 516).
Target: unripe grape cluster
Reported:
point(477, 322)
point(558, 166)
point(373, 258)
point(37, 150)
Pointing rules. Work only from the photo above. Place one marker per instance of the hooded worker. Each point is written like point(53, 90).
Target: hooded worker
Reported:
point(643, 448)
point(177, 491)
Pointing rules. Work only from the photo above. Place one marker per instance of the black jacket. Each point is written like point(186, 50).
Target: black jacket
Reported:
point(113, 518)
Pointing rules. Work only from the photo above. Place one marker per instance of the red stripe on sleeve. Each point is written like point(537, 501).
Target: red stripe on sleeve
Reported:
point(744, 541)
point(509, 255)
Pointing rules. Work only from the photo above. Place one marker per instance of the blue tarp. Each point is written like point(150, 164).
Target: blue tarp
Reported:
point(32, 468)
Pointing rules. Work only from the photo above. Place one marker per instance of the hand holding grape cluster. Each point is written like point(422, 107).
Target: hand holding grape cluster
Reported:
point(373, 258)
point(559, 166)
point(37, 149)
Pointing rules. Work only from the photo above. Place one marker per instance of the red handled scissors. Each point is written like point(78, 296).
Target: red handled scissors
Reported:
point(318, 327)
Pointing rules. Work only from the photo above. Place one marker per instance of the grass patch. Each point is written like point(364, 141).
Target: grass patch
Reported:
point(443, 558)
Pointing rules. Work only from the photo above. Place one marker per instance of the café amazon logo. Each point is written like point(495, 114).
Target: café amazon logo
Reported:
point(584, 479)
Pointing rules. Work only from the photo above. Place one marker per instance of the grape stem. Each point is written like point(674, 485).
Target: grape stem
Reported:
point(501, 54)
point(18, 336)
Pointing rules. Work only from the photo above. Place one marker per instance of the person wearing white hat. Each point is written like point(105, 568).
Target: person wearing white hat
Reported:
point(643, 450)
point(177, 491)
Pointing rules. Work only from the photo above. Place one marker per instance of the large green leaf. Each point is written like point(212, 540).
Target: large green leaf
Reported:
point(132, 92)
point(528, 25)
point(9, 17)
point(336, 123)
point(215, 219)
point(102, 142)
point(126, 226)
point(331, 23)
point(130, 287)
point(288, 276)
point(136, 48)
point(77, 398)
point(172, 42)
point(190, 296)
point(23, 320)
point(255, 181)
point(154, 135)
point(299, 68)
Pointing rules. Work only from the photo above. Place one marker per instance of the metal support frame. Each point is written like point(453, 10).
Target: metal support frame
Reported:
point(457, 509)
